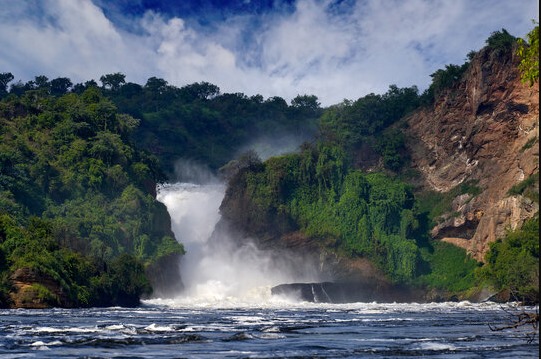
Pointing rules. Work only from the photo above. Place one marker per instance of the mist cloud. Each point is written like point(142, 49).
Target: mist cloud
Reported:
point(332, 49)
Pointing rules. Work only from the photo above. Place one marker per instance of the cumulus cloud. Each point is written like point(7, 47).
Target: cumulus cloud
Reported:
point(64, 38)
point(333, 49)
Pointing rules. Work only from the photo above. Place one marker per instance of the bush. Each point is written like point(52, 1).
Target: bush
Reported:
point(513, 262)
point(450, 268)
point(436, 204)
point(529, 57)
point(500, 41)
point(528, 187)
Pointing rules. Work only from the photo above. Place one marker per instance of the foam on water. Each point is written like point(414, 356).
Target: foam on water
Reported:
point(157, 328)
point(436, 346)
point(298, 329)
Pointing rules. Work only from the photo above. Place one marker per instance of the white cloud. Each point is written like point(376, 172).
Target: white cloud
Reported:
point(64, 38)
point(316, 49)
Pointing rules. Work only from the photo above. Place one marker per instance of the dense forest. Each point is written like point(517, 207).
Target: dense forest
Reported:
point(79, 164)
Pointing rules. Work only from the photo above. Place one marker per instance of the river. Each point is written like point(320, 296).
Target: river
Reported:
point(161, 329)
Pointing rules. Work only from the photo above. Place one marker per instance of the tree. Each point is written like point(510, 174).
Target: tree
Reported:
point(201, 91)
point(306, 101)
point(113, 81)
point(513, 263)
point(500, 41)
point(445, 78)
point(60, 86)
point(156, 85)
point(41, 82)
point(5, 79)
point(80, 87)
point(529, 57)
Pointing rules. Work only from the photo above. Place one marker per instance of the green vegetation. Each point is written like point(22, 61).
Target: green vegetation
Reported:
point(529, 56)
point(76, 198)
point(199, 123)
point(349, 124)
point(529, 144)
point(528, 188)
point(358, 214)
point(443, 79)
point(501, 42)
point(449, 268)
point(436, 204)
point(513, 263)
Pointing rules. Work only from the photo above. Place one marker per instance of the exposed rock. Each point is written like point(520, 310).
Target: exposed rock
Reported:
point(164, 276)
point(347, 292)
point(34, 290)
point(478, 131)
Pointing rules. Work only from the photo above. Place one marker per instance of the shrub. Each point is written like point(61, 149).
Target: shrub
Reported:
point(529, 56)
point(450, 268)
point(500, 41)
point(513, 262)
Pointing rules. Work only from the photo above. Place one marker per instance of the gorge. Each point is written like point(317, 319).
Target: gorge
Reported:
point(394, 197)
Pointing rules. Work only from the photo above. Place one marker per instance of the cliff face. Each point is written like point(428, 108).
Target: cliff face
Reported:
point(485, 129)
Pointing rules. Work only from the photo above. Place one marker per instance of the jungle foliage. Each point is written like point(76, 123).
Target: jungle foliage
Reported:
point(355, 213)
point(76, 197)
point(199, 123)
point(367, 120)
point(513, 263)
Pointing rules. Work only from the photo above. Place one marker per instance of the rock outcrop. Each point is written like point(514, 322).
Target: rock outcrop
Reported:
point(348, 292)
point(164, 276)
point(34, 290)
point(484, 129)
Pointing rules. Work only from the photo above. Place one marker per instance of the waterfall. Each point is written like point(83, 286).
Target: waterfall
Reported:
point(194, 214)
point(216, 268)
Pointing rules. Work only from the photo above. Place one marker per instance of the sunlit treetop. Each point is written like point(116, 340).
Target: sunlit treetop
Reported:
point(529, 56)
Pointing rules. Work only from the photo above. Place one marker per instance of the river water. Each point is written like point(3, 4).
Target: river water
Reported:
point(227, 311)
point(161, 329)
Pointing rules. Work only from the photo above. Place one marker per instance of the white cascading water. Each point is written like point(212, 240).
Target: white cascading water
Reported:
point(220, 272)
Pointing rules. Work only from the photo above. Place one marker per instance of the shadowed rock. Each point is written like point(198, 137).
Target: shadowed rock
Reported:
point(345, 292)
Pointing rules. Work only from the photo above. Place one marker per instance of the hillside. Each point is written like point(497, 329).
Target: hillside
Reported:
point(483, 130)
point(79, 222)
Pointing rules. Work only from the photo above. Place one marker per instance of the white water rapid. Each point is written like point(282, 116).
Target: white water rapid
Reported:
point(216, 270)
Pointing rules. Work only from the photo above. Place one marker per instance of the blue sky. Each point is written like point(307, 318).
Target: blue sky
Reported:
point(336, 50)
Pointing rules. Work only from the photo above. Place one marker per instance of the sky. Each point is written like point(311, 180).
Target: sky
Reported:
point(334, 49)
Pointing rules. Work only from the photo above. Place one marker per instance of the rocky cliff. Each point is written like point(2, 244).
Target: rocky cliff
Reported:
point(484, 129)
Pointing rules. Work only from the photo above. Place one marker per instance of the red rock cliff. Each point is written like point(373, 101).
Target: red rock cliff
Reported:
point(485, 128)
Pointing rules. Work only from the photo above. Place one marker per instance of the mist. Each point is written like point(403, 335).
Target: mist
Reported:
point(276, 144)
point(191, 171)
